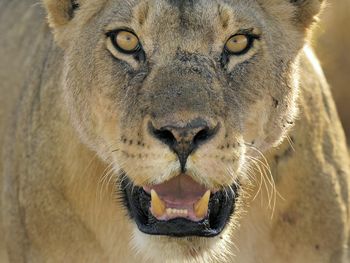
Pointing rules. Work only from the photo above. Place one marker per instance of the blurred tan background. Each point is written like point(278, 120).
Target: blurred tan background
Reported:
point(332, 44)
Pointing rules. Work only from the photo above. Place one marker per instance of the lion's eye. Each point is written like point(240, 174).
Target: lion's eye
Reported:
point(126, 41)
point(238, 44)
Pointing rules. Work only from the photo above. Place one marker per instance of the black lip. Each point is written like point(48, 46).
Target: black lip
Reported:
point(221, 206)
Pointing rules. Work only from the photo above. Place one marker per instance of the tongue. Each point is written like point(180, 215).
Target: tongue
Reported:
point(179, 197)
point(179, 190)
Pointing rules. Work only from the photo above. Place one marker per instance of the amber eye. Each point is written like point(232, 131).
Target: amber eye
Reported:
point(238, 44)
point(125, 41)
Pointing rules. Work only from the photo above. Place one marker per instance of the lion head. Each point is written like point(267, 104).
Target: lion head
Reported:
point(178, 96)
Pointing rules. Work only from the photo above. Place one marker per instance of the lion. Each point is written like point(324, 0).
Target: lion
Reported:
point(168, 131)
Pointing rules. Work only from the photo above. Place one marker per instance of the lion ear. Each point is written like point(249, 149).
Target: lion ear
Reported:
point(60, 13)
point(307, 11)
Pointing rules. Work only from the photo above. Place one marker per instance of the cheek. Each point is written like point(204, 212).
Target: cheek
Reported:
point(255, 121)
point(266, 123)
point(105, 117)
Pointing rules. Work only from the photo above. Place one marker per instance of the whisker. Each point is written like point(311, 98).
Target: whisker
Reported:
point(266, 168)
point(290, 141)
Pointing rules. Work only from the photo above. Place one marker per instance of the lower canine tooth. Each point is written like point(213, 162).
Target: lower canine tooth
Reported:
point(157, 205)
point(201, 207)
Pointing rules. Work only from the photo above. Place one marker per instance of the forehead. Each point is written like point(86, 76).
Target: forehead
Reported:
point(183, 15)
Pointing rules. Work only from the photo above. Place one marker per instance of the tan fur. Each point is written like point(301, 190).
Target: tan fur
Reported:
point(331, 45)
point(72, 118)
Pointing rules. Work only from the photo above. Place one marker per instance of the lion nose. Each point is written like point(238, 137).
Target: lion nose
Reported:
point(184, 139)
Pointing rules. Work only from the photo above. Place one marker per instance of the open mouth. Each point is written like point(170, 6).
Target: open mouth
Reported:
point(179, 207)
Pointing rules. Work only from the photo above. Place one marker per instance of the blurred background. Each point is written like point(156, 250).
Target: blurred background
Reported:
point(332, 44)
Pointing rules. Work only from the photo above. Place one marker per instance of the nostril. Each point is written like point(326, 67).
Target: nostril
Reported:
point(202, 136)
point(165, 136)
point(205, 135)
point(188, 137)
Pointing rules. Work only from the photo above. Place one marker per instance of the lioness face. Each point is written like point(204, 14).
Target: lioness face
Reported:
point(178, 96)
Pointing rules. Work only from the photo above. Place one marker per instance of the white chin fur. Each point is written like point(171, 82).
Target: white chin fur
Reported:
point(192, 249)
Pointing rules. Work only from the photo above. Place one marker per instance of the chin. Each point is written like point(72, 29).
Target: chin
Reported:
point(155, 248)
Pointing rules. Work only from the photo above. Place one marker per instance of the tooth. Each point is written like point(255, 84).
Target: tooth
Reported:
point(157, 205)
point(201, 207)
